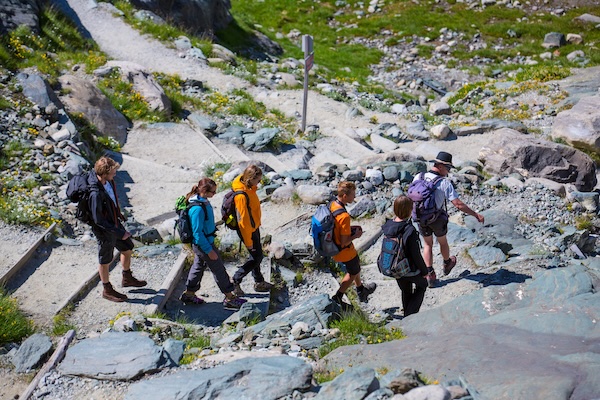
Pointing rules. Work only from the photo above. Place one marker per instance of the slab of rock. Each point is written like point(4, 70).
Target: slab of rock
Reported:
point(268, 378)
point(580, 126)
point(85, 98)
point(114, 356)
point(353, 384)
point(205, 123)
point(32, 352)
point(553, 40)
point(382, 143)
point(143, 83)
point(547, 323)
point(36, 89)
point(510, 151)
point(260, 139)
point(313, 194)
point(484, 256)
point(589, 18)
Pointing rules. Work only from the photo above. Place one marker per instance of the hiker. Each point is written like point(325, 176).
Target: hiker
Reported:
point(444, 191)
point(107, 227)
point(248, 220)
point(343, 235)
point(205, 252)
point(413, 285)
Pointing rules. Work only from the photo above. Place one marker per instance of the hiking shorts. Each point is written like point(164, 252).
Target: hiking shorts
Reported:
point(439, 227)
point(107, 244)
point(352, 266)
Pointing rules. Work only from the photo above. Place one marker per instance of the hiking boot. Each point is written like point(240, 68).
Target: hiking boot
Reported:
point(263, 286)
point(234, 303)
point(345, 307)
point(431, 279)
point(237, 290)
point(449, 264)
point(191, 299)
point(129, 280)
point(367, 289)
point(111, 294)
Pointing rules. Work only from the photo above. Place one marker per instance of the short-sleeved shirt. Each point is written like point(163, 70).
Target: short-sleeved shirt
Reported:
point(445, 190)
point(342, 227)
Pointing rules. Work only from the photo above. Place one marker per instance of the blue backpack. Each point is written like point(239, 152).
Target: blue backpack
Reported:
point(392, 260)
point(422, 193)
point(321, 230)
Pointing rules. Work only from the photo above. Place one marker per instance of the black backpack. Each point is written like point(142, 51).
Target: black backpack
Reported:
point(183, 223)
point(78, 191)
point(228, 212)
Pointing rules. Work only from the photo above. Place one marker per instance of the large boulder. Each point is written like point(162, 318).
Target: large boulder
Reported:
point(580, 126)
point(143, 83)
point(197, 16)
point(510, 151)
point(85, 98)
point(37, 89)
point(14, 13)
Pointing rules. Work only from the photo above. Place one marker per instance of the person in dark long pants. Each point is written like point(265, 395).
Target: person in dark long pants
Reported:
point(414, 285)
point(248, 217)
point(202, 221)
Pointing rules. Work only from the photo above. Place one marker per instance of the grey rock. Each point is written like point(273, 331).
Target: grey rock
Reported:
point(553, 40)
point(374, 176)
point(440, 108)
point(203, 122)
point(36, 89)
point(353, 175)
point(223, 53)
point(268, 378)
point(125, 324)
point(283, 194)
point(113, 356)
point(365, 205)
point(491, 124)
point(174, 350)
point(15, 13)
point(429, 392)
point(298, 174)
point(576, 55)
point(484, 256)
point(183, 43)
point(390, 173)
point(440, 131)
point(145, 15)
point(147, 235)
point(260, 139)
point(588, 18)
point(383, 143)
point(32, 352)
point(310, 343)
point(589, 200)
point(353, 384)
point(312, 194)
point(83, 97)
point(509, 151)
point(401, 380)
point(468, 130)
point(580, 126)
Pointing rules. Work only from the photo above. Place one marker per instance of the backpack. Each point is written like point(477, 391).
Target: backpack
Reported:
point(183, 223)
point(392, 260)
point(229, 213)
point(422, 193)
point(321, 230)
point(78, 191)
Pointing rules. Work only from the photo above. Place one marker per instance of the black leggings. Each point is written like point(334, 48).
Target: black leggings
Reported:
point(253, 263)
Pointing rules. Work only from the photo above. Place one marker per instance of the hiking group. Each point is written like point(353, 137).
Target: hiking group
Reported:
point(331, 228)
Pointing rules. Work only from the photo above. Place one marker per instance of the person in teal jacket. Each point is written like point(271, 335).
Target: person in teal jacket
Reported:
point(202, 220)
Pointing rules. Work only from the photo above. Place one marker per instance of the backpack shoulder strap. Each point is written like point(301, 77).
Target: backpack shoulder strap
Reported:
point(339, 210)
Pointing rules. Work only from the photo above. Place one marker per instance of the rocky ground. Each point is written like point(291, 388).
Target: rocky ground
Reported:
point(540, 212)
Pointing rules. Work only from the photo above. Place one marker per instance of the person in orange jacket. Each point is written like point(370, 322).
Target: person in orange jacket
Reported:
point(248, 219)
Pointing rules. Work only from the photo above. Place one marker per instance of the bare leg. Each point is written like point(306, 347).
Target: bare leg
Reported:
point(347, 282)
point(444, 247)
point(428, 250)
point(126, 260)
point(103, 272)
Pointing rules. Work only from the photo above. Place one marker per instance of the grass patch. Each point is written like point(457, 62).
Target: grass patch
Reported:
point(60, 322)
point(127, 101)
point(58, 46)
point(583, 222)
point(14, 325)
point(355, 328)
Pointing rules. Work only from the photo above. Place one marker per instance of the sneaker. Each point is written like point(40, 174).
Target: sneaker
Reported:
point(367, 289)
point(237, 290)
point(263, 286)
point(449, 264)
point(234, 303)
point(129, 280)
point(431, 279)
point(193, 299)
point(111, 294)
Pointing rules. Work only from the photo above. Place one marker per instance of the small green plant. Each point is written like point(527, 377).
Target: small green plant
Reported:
point(14, 325)
point(355, 328)
point(109, 143)
point(583, 222)
point(60, 322)
point(373, 120)
point(326, 376)
point(298, 278)
point(543, 73)
point(296, 199)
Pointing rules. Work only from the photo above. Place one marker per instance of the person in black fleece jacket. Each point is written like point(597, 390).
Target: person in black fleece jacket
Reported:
point(414, 285)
